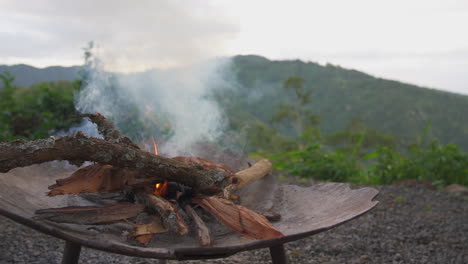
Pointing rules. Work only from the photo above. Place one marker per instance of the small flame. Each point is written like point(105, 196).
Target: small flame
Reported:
point(155, 145)
point(161, 188)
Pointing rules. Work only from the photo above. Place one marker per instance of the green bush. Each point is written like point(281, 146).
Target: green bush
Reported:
point(440, 164)
point(36, 111)
point(317, 163)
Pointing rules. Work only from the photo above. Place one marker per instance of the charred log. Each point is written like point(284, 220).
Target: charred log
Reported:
point(171, 219)
point(203, 232)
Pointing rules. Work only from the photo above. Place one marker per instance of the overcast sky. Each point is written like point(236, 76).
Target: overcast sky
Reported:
point(420, 42)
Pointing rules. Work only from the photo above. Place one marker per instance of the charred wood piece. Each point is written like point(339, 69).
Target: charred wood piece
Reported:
point(171, 219)
point(94, 178)
point(203, 232)
point(238, 218)
point(90, 215)
point(143, 233)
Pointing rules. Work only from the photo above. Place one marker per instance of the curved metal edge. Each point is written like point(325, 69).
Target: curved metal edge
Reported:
point(192, 253)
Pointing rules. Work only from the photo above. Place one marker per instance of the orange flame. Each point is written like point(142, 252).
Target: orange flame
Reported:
point(161, 188)
point(155, 145)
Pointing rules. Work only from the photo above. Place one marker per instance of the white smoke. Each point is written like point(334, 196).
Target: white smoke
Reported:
point(161, 53)
point(181, 96)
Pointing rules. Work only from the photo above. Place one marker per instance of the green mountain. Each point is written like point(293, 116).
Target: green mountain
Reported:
point(340, 95)
point(26, 75)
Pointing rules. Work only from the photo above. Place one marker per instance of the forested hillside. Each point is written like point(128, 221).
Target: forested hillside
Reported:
point(340, 95)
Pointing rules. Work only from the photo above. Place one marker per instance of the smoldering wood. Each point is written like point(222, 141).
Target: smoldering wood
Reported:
point(90, 215)
point(77, 148)
point(202, 230)
point(144, 239)
point(238, 218)
point(170, 217)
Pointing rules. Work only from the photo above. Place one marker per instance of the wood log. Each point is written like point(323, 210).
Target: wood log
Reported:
point(245, 177)
point(203, 232)
point(170, 217)
point(207, 164)
point(238, 218)
point(90, 215)
point(78, 148)
point(94, 178)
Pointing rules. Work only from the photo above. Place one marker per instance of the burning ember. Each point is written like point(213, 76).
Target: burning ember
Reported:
point(161, 188)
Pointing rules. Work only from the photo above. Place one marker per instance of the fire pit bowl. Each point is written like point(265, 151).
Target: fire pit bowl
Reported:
point(304, 211)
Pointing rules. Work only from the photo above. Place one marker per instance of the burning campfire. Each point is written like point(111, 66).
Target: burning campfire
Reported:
point(161, 195)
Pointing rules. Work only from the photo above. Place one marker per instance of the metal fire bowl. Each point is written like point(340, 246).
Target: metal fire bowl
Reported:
point(304, 211)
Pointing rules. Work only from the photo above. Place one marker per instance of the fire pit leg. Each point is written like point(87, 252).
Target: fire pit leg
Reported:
point(71, 253)
point(278, 254)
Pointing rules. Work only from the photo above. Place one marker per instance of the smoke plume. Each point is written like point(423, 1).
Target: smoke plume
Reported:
point(173, 105)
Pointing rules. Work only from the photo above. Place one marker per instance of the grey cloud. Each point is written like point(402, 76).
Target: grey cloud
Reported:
point(148, 32)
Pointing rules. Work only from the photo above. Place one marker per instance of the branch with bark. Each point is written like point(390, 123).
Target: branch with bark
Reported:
point(78, 148)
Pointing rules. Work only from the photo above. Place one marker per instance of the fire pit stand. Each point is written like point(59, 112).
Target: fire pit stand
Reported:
point(71, 254)
point(304, 211)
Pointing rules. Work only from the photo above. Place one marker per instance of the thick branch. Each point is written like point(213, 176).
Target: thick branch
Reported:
point(108, 130)
point(77, 148)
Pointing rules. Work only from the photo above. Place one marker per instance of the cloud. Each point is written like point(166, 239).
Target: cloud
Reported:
point(130, 35)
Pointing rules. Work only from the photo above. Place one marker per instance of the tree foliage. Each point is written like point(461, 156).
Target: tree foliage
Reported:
point(36, 111)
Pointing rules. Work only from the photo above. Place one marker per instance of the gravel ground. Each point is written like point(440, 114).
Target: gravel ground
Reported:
point(410, 225)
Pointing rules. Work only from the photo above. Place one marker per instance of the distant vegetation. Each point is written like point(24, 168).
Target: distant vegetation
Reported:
point(27, 75)
point(36, 111)
point(339, 96)
point(316, 121)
